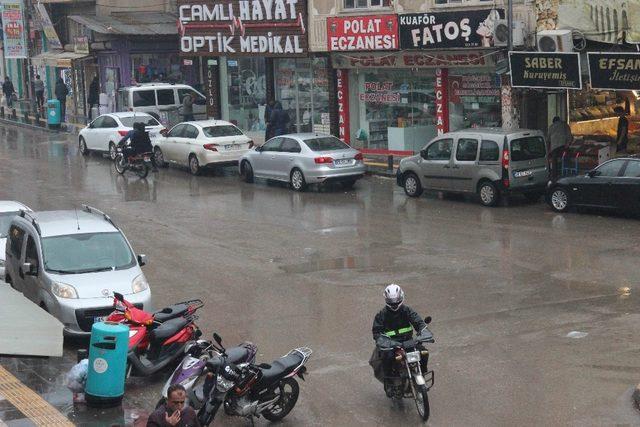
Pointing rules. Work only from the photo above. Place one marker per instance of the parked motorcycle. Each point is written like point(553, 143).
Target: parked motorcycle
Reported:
point(193, 376)
point(407, 379)
point(248, 390)
point(156, 339)
point(140, 163)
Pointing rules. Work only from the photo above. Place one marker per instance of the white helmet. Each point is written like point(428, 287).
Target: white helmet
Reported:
point(393, 296)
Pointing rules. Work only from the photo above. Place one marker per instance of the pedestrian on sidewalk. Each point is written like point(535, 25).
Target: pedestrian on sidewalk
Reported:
point(268, 133)
point(94, 96)
point(174, 413)
point(187, 108)
point(8, 90)
point(279, 120)
point(61, 94)
point(622, 135)
point(560, 138)
point(38, 89)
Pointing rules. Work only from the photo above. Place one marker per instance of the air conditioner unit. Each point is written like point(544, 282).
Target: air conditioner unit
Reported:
point(501, 33)
point(555, 41)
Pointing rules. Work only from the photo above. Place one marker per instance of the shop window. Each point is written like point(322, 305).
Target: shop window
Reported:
point(247, 93)
point(144, 98)
point(633, 169)
point(440, 150)
point(458, 2)
point(611, 168)
point(489, 151)
point(467, 150)
point(166, 97)
point(365, 4)
point(16, 238)
point(474, 100)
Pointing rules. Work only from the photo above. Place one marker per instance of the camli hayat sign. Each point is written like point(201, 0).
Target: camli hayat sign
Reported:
point(545, 70)
point(615, 70)
point(243, 27)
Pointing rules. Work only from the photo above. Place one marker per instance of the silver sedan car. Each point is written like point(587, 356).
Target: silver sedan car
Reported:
point(302, 159)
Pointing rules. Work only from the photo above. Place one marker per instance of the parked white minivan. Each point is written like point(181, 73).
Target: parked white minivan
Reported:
point(155, 98)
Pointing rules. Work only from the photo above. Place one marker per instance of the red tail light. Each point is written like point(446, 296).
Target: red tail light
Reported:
point(251, 144)
point(323, 160)
point(210, 147)
point(359, 156)
point(505, 158)
point(505, 183)
point(123, 132)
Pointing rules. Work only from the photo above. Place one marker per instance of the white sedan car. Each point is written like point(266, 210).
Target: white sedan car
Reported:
point(202, 143)
point(8, 209)
point(104, 133)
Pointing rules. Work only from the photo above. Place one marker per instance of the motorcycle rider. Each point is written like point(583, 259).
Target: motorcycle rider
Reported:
point(140, 142)
point(397, 321)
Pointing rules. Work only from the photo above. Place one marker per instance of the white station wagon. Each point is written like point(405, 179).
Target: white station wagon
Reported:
point(200, 144)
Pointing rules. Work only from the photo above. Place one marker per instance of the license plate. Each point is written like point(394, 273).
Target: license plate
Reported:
point(228, 147)
point(99, 319)
point(522, 174)
point(342, 162)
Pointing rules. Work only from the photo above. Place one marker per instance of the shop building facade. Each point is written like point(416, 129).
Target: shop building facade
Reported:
point(409, 70)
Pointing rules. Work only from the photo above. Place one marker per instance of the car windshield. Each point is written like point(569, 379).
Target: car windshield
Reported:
point(326, 143)
point(147, 120)
point(85, 253)
point(528, 148)
point(224, 130)
point(5, 222)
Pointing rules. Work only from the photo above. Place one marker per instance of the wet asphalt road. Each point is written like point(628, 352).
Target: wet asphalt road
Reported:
point(504, 286)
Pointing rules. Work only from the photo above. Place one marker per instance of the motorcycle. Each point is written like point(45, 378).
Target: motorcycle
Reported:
point(248, 390)
point(407, 379)
point(193, 376)
point(140, 163)
point(156, 339)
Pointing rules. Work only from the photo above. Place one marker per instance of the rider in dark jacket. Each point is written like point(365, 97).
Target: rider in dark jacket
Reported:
point(397, 321)
point(140, 142)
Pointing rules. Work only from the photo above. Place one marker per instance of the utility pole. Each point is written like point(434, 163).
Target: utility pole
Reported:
point(510, 24)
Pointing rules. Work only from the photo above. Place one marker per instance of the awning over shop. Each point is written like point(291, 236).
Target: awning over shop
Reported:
point(126, 23)
point(57, 59)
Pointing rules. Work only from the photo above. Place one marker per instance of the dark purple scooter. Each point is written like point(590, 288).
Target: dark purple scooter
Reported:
point(191, 373)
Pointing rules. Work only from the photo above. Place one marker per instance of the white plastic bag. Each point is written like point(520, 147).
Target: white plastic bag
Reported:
point(77, 376)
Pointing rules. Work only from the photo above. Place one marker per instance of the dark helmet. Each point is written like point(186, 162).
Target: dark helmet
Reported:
point(139, 126)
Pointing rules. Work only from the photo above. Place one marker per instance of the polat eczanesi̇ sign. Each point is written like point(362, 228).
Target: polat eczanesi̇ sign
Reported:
point(545, 70)
point(614, 70)
point(243, 27)
point(446, 30)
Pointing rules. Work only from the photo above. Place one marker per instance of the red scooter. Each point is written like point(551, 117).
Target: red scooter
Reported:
point(156, 339)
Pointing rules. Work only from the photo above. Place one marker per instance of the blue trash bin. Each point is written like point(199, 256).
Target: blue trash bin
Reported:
point(54, 113)
point(107, 364)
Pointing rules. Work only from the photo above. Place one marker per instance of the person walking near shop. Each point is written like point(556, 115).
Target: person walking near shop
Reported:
point(622, 136)
point(268, 132)
point(61, 94)
point(187, 108)
point(560, 138)
point(8, 90)
point(94, 96)
point(279, 120)
point(38, 89)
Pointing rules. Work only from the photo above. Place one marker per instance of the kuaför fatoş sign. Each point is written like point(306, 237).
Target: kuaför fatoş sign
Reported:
point(243, 27)
point(545, 70)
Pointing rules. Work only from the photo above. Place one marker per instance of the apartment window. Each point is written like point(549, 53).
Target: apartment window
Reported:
point(365, 4)
point(456, 2)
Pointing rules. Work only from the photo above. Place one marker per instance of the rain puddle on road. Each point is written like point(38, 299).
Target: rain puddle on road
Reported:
point(380, 262)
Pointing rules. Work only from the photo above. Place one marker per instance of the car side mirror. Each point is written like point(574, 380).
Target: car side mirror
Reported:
point(142, 260)
point(259, 148)
point(592, 173)
point(423, 154)
point(90, 126)
point(29, 269)
point(427, 320)
point(164, 132)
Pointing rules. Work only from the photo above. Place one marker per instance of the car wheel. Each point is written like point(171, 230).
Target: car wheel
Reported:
point(297, 180)
point(82, 146)
point(194, 165)
point(112, 151)
point(159, 157)
point(411, 184)
point(559, 200)
point(488, 193)
point(246, 171)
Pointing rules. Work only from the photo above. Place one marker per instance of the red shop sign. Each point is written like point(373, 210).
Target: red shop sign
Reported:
point(442, 103)
point(342, 83)
point(362, 33)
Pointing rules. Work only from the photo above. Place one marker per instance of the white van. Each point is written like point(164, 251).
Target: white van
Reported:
point(159, 98)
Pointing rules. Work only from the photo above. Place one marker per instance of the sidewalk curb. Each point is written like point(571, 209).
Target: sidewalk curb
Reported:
point(636, 396)
point(73, 131)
